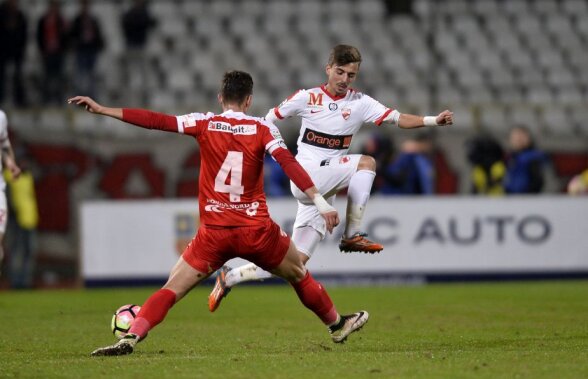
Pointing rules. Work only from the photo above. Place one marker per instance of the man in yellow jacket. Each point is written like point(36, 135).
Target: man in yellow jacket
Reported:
point(22, 226)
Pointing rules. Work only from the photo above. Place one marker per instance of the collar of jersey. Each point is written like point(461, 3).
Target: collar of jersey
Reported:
point(232, 111)
point(333, 97)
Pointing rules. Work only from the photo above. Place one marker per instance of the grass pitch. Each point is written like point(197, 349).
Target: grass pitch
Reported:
point(502, 330)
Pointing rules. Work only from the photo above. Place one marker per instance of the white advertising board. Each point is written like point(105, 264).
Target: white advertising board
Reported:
point(437, 235)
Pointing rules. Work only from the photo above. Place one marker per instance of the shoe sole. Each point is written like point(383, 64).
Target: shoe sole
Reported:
point(342, 340)
point(112, 351)
point(348, 250)
point(213, 306)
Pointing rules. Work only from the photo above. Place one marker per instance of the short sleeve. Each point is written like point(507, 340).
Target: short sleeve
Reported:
point(374, 111)
point(271, 137)
point(192, 123)
point(292, 106)
point(3, 127)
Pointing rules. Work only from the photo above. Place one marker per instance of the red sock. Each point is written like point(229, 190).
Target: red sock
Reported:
point(153, 312)
point(314, 297)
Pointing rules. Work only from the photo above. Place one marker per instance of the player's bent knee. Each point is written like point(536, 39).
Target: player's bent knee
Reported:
point(367, 163)
point(296, 275)
point(299, 273)
point(303, 257)
point(291, 268)
point(290, 271)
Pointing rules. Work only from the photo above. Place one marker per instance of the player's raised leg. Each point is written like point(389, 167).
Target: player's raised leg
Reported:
point(314, 297)
point(182, 279)
point(358, 195)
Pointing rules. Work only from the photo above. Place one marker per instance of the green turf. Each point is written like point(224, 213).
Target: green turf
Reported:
point(508, 330)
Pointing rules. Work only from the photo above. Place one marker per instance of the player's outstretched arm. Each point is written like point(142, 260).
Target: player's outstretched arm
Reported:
point(11, 166)
point(93, 107)
point(326, 210)
point(9, 160)
point(140, 117)
point(302, 180)
point(409, 121)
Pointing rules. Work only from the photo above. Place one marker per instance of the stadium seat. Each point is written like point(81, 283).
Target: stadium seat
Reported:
point(526, 116)
point(464, 120)
point(485, 8)
point(193, 9)
point(371, 9)
point(544, 8)
point(493, 119)
point(574, 7)
point(53, 120)
point(485, 53)
point(88, 123)
point(509, 94)
point(579, 115)
point(515, 7)
point(539, 95)
point(529, 76)
point(569, 95)
point(556, 120)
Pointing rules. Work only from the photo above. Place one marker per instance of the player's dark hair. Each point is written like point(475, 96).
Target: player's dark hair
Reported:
point(236, 86)
point(344, 54)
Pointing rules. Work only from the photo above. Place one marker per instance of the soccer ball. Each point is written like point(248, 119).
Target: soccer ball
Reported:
point(123, 319)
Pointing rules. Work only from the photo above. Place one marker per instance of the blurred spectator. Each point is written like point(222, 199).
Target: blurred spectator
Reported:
point(8, 161)
point(394, 7)
point(22, 225)
point(579, 184)
point(136, 23)
point(525, 165)
point(52, 41)
point(381, 148)
point(275, 181)
point(487, 158)
point(13, 40)
point(412, 172)
point(86, 37)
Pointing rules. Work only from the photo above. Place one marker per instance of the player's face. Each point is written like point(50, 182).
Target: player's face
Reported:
point(340, 78)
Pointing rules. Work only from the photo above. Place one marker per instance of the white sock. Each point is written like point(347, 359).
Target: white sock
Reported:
point(358, 195)
point(336, 321)
point(245, 273)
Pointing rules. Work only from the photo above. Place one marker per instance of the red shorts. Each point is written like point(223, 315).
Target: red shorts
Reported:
point(265, 245)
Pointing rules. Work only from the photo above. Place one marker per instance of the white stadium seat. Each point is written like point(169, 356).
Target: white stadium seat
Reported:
point(485, 53)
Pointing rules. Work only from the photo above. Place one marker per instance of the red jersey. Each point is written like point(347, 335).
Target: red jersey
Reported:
point(232, 148)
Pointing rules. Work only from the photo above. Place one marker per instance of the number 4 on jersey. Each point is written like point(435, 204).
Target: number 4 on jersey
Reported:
point(233, 165)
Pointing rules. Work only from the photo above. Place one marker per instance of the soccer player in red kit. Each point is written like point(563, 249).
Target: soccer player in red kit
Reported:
point(233, 212)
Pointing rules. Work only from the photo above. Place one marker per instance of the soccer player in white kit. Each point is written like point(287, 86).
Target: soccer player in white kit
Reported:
point(331, 116)
point(8, 160)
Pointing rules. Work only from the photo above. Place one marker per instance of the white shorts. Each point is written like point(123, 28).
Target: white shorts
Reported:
point(3, 212)
point(329, 176)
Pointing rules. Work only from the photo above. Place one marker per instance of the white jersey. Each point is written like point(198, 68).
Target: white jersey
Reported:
point(329, 122)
